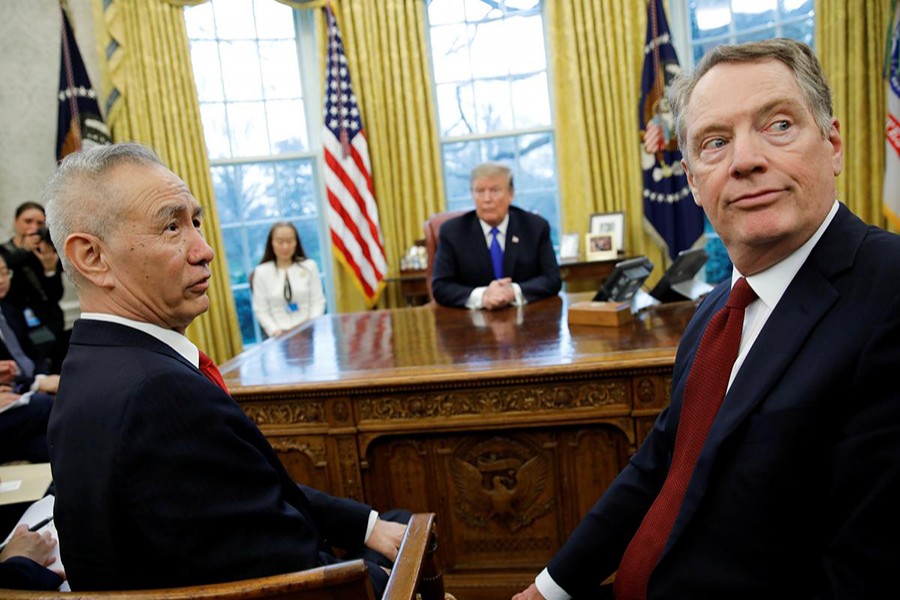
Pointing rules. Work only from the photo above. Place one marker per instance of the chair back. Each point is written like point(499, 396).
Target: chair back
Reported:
point(432, 228)
point(415, 570)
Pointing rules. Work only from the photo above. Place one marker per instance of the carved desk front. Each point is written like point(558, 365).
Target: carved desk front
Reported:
point(509, 425)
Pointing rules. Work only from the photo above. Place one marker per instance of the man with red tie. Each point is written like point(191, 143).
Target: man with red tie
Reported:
point(161, 480)
point(775, 471)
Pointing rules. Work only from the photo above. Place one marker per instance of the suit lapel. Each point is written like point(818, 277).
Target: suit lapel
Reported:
point(805, 303)
point(512, 244)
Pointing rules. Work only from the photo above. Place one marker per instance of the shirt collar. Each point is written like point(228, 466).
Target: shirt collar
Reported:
point(173, 339)
point(771, 284)
point(501, 227)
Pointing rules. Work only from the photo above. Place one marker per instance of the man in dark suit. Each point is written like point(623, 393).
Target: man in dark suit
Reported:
point(794, 484)
point(161, 479)
point(496, 255)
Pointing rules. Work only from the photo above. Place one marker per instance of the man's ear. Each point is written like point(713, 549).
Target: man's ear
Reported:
point(88, 255)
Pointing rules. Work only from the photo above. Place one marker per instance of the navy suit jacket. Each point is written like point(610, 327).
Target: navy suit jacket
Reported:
point(162, 480)
point(796, 491)
point(463, 261)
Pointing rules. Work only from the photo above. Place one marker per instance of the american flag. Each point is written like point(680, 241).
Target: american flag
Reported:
point(668, 206)
point(892, 129)
point(352, 212)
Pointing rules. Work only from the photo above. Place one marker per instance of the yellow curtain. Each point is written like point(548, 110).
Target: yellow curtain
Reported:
point(596, 84)
point(850, 42)
point(151, 98)
point(387, 51)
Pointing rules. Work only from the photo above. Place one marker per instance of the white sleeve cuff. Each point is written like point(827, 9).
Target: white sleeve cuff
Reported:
point(373, 516)
point(548, 588)
point(476, 299)
point(520, 297)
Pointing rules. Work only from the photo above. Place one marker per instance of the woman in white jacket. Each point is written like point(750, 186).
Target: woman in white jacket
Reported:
point(287, 289)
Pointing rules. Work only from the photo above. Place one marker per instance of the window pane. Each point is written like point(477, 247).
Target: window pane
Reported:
point(240, 70)
point(755, 36)
point(215, 130)
point(199, 22)
point(450, 53)
point(753, 13)
point(287, 126)
point(530, 101)
point(309, 236)
point(456, 109)
point(793, 8)
point(280, 70)
point(294, 187)
point(535, 163)
point(800, 30)
point(459, 159)
point(490, 45)
point(479, 9)
point(205, 60)
point(227, 185)
point(244, 304)
point(235, 249)
point(526, 51)
point(247, 124)
point(709, 17)
point(258, 198)
point(257, 234)
point(493, 105)
point(234, 20)
point(274, 20)
point(445, 11)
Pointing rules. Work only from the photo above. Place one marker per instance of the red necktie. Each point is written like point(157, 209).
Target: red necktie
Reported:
point(703, 394)
point(209, 368)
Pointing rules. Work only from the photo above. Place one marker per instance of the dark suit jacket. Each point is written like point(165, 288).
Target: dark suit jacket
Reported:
point(161, 479)
point(463, 262)
point(20, 573)
point(796, 491)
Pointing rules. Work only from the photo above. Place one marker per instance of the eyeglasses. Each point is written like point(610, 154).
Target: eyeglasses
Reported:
point(6, 273)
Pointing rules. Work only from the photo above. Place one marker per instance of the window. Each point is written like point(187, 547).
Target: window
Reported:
point(708, 23)
point(493, 100)
point(248, 60)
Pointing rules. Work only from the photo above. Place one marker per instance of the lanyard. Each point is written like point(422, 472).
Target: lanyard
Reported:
point(288, 293)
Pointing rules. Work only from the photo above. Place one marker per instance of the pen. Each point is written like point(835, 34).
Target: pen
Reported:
point(40, 524)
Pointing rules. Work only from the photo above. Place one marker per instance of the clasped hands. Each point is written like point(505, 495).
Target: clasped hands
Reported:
point(499, 293)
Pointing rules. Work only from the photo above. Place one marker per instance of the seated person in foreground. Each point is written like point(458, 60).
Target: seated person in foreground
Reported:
point(24, 561)
point(161, 479)
point(497, 255)
point(24, 384)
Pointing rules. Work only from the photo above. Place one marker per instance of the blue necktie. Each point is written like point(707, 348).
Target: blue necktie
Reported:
point(496, 254)
point(15, 350)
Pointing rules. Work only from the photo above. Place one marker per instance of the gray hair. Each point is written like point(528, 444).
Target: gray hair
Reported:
point(798, 57)
point(78, 198)
point(490, 170)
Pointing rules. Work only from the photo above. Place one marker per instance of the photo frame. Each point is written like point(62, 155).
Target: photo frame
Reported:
point(610, 223)
point(600, 246)
point(569, 247)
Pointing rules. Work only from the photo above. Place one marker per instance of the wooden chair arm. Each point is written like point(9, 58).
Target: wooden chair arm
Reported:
point(416, 567)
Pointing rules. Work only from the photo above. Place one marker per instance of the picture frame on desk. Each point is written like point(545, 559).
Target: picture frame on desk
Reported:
point(600, 246)
point(609, 223)
point(568, 247)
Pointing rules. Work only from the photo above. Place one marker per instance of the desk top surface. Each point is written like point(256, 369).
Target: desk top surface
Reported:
point(433, 343)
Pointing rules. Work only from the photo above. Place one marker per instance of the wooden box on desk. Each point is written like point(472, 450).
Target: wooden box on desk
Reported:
point(606, 314)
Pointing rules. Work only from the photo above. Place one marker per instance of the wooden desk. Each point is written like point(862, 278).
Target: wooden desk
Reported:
point(508, 425)
point(578, 276)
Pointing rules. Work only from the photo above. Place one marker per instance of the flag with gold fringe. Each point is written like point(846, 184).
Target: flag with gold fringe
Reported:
point(80, 123)
point(892, 128)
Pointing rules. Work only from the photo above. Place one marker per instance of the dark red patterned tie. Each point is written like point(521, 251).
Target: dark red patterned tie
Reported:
point(209, 368)
point(703, 394)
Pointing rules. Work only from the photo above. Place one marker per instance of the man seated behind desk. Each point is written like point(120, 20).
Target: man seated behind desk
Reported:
point(496, 255)
point(161, 479)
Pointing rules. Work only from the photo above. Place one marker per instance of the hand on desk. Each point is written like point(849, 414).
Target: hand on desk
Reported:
point(8, 371)
point(531, 593)
point(498, 294)
point(386, 538)
point(30, 544)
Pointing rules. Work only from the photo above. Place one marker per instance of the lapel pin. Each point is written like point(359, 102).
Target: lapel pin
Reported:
point(515, 239)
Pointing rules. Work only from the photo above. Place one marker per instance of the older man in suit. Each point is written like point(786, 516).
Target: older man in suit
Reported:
point(161, 479)
point(497, 255)
point(775, 471)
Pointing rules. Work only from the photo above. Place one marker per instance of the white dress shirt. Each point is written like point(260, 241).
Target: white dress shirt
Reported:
point(269, 305)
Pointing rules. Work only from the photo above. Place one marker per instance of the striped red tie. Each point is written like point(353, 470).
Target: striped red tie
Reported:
point(209, 368)
point(703, 394)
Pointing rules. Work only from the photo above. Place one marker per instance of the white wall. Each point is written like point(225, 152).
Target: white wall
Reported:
point(29, 80)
